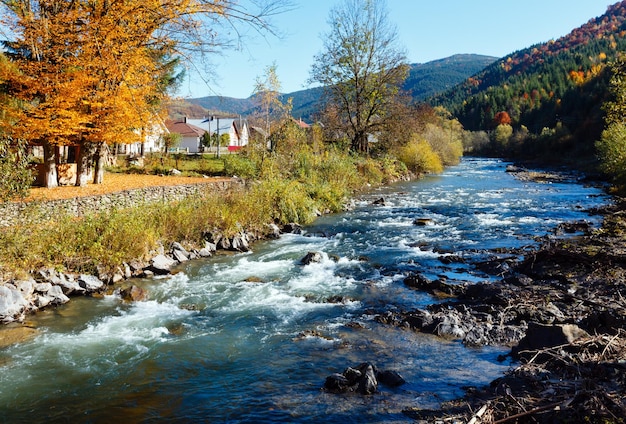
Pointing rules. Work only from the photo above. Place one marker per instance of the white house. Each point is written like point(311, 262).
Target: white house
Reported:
point(191, 134)
point(236, 128)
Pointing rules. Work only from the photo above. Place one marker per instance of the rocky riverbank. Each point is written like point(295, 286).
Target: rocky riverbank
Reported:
point(49, 288)
point(562, 309)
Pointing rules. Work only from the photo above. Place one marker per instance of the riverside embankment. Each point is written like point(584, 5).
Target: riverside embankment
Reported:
point(251, 337)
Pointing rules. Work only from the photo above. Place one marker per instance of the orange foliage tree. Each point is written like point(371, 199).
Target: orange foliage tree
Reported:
point(94, 72)
point(502, 118)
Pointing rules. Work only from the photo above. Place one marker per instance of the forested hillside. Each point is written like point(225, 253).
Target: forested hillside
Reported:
point(424, 80)
point(554, 90)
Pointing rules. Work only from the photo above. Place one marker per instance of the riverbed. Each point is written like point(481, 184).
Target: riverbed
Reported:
point(251, 337)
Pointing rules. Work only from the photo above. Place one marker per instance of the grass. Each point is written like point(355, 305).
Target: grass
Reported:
point(281, 189)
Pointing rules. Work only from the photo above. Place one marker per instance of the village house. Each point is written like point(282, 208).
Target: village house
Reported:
point(236, 128)
point(191, 134)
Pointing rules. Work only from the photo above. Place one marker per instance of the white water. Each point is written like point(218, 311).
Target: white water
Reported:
point(210, 346)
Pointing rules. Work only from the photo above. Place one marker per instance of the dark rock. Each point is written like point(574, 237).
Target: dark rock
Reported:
point(573, 227)
point(311, 257)
point(367, 383)
point(336, 383)
point(380, 202)
point(390, 378)
point(540, 336)
point(292, 228)
point(421, 222)
point(437, 287)
point(223, 243)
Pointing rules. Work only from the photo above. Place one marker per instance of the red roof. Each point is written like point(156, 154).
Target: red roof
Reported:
point(185, 129)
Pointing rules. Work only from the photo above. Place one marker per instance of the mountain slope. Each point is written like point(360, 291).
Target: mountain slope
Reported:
point(428, 79)
point(424, 80)
point(561, 81)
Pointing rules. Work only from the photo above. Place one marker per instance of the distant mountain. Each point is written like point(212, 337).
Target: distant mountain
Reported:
point(424, 80)
point(431, 78)
point(560, 82)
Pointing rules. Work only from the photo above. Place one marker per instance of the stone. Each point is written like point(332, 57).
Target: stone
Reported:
point(253, 279)
point(13, 335)
point(27, 287)
point(133, 294)
point(43, 287)
point(117, 277)
point(421, 222)
point(42, 301)
point(12, 303)
point(336, 383)
point(161, 264)
point(179, 253)
point(128, 273)
point(205, 253)
point(380, 202)
point(311, 257)
point(223, 244)
point(56, 295)
point(69, 286)
point(274, 231)
point(390, 378)
point(540, 336)
point(175, 171)
point(368, 384)
point(292, 228)
point(239, 243)
point(90, 283)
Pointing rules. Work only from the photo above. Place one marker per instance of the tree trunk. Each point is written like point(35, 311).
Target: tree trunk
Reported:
point(50, 174)
point(101, 156)
point(83, 164)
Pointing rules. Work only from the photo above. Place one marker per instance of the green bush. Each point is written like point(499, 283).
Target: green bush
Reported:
point(419, 157)
point(240, 166)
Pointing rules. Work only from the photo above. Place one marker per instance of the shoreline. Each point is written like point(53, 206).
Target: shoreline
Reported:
point(562, 309)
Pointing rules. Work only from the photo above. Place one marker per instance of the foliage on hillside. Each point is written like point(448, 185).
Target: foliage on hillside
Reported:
point(424, 80)
point(555, 87)
point(429, 79)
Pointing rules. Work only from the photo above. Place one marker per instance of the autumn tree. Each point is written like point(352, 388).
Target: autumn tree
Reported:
point(361, 68)
point(14, 164)
point(502, 118)
point(94, 72)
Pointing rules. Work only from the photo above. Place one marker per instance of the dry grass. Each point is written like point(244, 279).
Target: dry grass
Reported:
point(114, 183)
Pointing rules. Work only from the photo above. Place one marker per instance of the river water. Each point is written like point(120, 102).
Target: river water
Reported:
point(211, 346)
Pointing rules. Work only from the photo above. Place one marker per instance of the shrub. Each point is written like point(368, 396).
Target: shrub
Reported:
point(240, 166)
point(419, 157)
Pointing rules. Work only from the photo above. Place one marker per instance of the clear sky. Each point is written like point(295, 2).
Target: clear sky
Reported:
point(428, 30)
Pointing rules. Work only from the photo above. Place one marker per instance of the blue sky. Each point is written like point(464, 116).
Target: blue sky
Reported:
point(428, 30)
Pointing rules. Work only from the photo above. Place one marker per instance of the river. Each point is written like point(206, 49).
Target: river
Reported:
point(213, 345)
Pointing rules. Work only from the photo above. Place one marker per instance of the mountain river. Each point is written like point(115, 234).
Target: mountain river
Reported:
point(211, 345)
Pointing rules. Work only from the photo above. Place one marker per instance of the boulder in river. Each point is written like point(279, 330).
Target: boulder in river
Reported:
point(362, 379)
point(311, 257)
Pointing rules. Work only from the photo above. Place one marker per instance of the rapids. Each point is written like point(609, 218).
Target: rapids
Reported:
point(212, 345)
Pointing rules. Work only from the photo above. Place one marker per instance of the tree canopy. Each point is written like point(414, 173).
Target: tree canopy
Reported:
point(94, 72)
point(361, 67)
